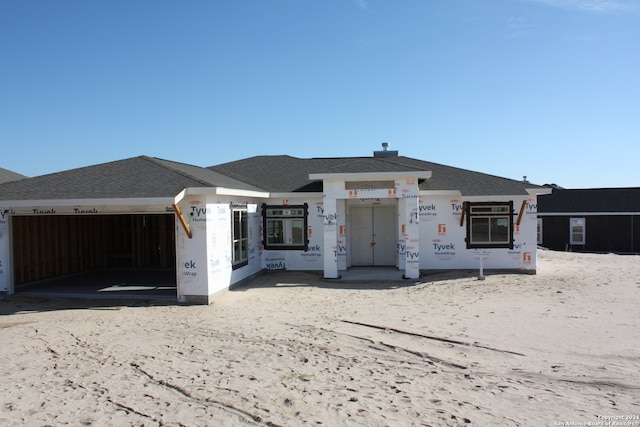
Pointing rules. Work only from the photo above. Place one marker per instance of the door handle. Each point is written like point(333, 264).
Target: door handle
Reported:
point(372, 244)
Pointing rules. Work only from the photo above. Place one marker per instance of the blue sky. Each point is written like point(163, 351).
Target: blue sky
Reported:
point(549, 89)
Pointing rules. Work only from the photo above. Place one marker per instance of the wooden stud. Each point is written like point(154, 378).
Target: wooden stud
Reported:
point(464, 212)
point(524, 203)
point(182, 220)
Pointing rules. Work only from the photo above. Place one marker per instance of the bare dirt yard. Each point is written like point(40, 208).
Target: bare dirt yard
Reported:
point(558, 348)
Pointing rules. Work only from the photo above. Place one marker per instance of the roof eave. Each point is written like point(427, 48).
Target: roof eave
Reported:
point(539, 191)
point(218, 191)
point(295, 195)
point(149, 205)
point(87, 202)
point(455, 193)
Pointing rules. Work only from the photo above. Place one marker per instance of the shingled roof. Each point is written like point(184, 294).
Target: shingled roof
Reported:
point(7, 176)
point(137, 177)
point(150, 177)
point(291, 174)
point(596, 200)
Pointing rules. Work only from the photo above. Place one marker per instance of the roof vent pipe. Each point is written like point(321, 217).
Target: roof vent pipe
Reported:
point(385, 151)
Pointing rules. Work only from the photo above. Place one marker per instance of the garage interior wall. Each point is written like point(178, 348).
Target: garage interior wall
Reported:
point(49, 246)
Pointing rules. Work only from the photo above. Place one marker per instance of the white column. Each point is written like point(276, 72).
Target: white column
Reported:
point(402, 242)
point(342, 234)
point(412, 238)
point(330, 228)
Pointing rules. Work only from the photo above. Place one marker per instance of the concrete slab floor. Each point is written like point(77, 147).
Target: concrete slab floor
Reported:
point(107, 284)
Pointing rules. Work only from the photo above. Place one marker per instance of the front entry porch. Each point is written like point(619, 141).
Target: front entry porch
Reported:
point(383, 230)
point(372, 274)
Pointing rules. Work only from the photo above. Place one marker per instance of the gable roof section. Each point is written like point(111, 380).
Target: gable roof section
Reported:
point(469, 183)
point(137, 177)
point(7, 176)
point(290, 174)
point(281, 174)
point(595, 200)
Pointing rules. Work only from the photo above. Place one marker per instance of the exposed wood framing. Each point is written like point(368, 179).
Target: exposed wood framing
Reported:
point(524, 203)
point(464, 212)
point(182, 220)
point(48, 246)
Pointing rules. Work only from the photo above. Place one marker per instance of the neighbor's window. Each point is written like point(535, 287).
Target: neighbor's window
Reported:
point(490, 225)
point(285, 227)
point(576, 231)
point(539, 231)
point(240, 236)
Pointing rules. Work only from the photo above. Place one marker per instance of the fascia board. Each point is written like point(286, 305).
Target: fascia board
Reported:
point(243, 193)
point(587, 213)
point(219, 191)
point(300, 195)
point(158, 201)
point(455, 193)
point(539, 191)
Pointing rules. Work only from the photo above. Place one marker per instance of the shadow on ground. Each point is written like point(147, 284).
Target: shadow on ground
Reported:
point(17, 304)
point(281, 279)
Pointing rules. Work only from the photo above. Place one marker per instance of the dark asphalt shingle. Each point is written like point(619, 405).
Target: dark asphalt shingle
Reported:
point(148, 177)
point(137, 177)
point(7, 176)
point(291, 174)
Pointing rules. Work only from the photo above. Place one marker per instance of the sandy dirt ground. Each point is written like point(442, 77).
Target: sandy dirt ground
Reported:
point(558, 348)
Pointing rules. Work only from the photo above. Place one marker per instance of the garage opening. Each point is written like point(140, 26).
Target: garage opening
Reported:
point(95, 255)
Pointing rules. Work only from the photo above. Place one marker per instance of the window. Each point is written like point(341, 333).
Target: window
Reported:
point(490, 225)
point(285, 227)
point(240, 236)
point(539, 231)
point(576, 231)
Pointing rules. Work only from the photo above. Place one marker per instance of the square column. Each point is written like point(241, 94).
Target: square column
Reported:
point(412, 237)
point(330, 228)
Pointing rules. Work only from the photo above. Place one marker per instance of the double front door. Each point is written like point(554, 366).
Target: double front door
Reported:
point(373, 236)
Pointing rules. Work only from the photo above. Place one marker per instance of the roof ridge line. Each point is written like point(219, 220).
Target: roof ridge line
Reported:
point(159, 162)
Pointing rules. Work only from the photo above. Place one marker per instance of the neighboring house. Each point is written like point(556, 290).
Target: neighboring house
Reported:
point(7, 175)
point(217, 226)
point(590, 220)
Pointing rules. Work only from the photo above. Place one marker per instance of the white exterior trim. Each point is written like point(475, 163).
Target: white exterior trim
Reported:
point(290, 195)
point(454, 193)
point(588, 213)
point(88, 202)
point(218, 191)
point(539, 191)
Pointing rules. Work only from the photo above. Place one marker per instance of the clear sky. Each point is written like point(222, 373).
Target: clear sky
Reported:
point(549, 89)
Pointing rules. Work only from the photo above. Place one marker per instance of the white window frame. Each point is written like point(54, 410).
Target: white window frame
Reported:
point(539, 231)
point(577, 227)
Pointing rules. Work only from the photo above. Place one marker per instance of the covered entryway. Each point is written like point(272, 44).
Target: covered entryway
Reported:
point(373, 236)
point(94, 253)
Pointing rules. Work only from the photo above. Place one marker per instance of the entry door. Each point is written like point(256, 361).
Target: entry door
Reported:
point(373, 236)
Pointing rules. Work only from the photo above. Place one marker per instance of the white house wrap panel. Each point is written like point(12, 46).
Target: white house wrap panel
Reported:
point(232, 221)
